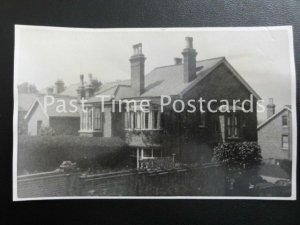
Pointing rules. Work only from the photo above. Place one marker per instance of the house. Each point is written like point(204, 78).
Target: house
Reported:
point(61, 116)
point(275, 134)
point(190, 137)
point(25, 100)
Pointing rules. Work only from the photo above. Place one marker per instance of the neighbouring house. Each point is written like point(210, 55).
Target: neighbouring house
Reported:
point(60, 116)
point(190, 137)
point(25, 100)
point(275, 134)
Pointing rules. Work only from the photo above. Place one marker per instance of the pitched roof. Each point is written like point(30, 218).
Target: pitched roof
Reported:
point(25, 100)
point(286, 107)
point(55, 109)
point(166, 80)
point(71, 90)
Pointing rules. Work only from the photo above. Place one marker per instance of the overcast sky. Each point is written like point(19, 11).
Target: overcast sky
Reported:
point(44, 55)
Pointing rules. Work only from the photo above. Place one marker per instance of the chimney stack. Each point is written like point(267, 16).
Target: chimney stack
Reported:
point(50, 90)
point(177, 61)
point(59, 86)
point(90, 88)
point(189, 61)
point(81, 88)
point(270, 108)
point(137, 61)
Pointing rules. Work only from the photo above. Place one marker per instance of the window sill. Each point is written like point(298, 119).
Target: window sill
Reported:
point(233, 138)
point(284, 149)
point(89, 131)
point(130, 129)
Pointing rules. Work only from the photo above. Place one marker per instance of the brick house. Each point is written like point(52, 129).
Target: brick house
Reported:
point(62, 122)
point(275, 133)
point(189, 136)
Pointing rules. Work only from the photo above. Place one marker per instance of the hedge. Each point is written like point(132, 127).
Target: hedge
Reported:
point(46, 153)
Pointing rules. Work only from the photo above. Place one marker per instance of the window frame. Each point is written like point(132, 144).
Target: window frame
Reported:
point(287, 142)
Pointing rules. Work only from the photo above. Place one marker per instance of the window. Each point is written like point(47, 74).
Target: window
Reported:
point(284, 120)
point(146, 120)
point(202, 120)
point(97, 118)
point(142, 120)
point(285, 141)
point(91, 119)
point(232, 126)
point(156, 120)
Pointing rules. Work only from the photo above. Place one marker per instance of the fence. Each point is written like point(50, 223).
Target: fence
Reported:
point(197, 181)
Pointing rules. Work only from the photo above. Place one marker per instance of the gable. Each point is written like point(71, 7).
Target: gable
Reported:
point(221, 83)
point(36, 110)
point(284, 111)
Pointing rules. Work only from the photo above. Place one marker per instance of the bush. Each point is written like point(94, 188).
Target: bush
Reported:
point(238, 155)
point(46, 153)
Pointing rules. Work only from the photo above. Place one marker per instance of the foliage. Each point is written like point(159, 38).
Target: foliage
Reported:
point(46, 153)
point(27, 88)
point(47, 131)
point(238, 155)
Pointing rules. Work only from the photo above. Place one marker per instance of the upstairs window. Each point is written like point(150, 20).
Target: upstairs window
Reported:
point(284, 120)
point(285, 141)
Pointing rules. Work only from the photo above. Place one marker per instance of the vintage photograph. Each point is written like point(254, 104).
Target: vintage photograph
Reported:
point(188, 113)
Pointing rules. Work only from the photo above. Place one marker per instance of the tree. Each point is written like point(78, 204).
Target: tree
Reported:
point(27, 88)
point(240, 160)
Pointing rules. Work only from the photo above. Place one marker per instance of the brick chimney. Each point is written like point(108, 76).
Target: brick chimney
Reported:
point(90, 88)
point(50, 90)
point(270, 108)
point(59, 86)
point(177, 61)
point(81, 88)
point(189, 60)
point(137, 61)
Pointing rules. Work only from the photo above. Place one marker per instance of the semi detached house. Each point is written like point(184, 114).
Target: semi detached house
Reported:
point(189, 137)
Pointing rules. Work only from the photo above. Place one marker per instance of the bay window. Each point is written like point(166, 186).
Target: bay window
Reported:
point(142, 120)
point(91, 119)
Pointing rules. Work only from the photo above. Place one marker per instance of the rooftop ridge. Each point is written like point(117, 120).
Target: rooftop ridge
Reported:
point(159, 67)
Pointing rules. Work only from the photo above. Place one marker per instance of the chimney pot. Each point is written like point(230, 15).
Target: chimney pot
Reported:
point(178, 61)
point(189, 42)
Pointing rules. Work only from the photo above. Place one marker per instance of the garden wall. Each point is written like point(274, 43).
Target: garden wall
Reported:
point(199, 181)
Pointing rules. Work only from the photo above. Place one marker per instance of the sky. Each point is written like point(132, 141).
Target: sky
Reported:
point(261, 57)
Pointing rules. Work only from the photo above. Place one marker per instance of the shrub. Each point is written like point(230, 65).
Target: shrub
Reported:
point(238, 155)
point(45, 153)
